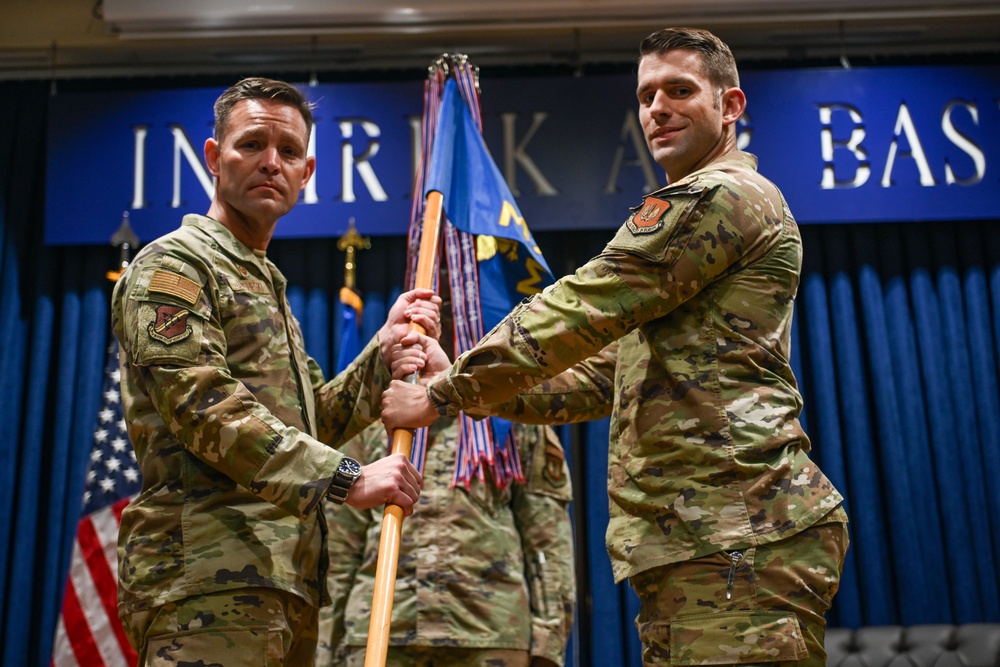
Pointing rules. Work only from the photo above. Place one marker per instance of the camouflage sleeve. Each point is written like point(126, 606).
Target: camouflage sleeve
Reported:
point(542, 519)
point(583, 392)
point(542, 337)
point(346, 540)
point(644, 273)
point(211, 414)
point(219, 421)
point(353, 399)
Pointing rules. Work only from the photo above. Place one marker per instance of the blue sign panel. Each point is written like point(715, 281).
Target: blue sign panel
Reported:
point(863, 145)
point(143, 153)
point(880, 145)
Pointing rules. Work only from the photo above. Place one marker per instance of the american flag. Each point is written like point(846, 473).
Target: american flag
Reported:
point(89, 633)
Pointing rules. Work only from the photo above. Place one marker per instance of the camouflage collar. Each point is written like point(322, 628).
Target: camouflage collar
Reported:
point(740, 158)
point(737, 160)
point(240, 253)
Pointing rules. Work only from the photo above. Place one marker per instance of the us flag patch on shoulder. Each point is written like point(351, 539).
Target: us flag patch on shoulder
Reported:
point(168, 282)
point(648, 218)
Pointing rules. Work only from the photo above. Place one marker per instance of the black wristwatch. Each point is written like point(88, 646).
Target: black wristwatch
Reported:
point(347, 473)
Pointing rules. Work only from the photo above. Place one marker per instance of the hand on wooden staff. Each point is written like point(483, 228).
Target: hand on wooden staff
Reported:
point(420, 354)
point(421, 307)
point(392, 480)
point(406, 405)
point(417, 353)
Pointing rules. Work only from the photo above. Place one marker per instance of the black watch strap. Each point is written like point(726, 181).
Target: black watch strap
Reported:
point(347, 473)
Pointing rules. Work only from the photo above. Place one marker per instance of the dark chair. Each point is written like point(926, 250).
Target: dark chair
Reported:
point(968, 645)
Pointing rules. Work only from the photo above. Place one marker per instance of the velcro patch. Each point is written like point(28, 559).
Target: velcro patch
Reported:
point(248, 285)
point(555, 466)
point(174, 284)
point(170, 325)
point(648, 218)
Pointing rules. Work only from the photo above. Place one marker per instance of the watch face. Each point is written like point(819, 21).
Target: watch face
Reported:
point(349, 466)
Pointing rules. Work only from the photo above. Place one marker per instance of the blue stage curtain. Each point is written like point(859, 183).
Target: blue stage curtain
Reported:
point(53, 332)
point(900, 378)
point(895, 344)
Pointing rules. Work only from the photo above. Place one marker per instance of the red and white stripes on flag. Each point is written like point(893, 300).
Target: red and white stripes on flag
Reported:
point(89, 633)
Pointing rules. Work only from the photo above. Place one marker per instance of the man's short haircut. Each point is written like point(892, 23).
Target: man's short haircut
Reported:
point(258, 88)
point(717, 59)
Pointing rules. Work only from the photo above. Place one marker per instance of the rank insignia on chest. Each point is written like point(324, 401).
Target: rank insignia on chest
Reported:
point(170, 325)
point(648, 218)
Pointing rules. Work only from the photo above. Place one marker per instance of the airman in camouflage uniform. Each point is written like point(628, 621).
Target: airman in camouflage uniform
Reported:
point(485, 575)
point(223, 555)
point(732, 537)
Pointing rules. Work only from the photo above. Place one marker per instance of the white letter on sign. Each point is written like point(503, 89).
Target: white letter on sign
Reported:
point(853, 144)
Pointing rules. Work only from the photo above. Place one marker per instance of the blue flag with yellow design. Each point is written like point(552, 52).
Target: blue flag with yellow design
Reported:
point(491, 254)
point(478, 201)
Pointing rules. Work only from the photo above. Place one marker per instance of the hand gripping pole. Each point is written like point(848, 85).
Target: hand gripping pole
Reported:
point(402, 442)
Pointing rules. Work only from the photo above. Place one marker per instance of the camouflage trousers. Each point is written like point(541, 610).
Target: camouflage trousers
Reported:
point(442, 656)
point(247, 627)
point(764, 605)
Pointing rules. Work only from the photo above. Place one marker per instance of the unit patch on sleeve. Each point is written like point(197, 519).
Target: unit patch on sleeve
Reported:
point(170, 326)
point(648, 218)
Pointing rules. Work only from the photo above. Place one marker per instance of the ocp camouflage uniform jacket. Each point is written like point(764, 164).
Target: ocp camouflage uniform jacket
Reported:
point(707, 452)
point(228, 416)
point(478, 568)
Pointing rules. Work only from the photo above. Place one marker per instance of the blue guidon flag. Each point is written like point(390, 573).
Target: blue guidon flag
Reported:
point(493, 261)
point(478, 201)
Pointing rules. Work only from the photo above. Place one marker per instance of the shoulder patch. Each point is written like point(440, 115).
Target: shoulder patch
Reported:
point(554, 471)
point(170, 326)
point(649, 217)
point(168, 282)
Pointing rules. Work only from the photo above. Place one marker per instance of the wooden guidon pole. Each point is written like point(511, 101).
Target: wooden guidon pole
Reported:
point(402, 442)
